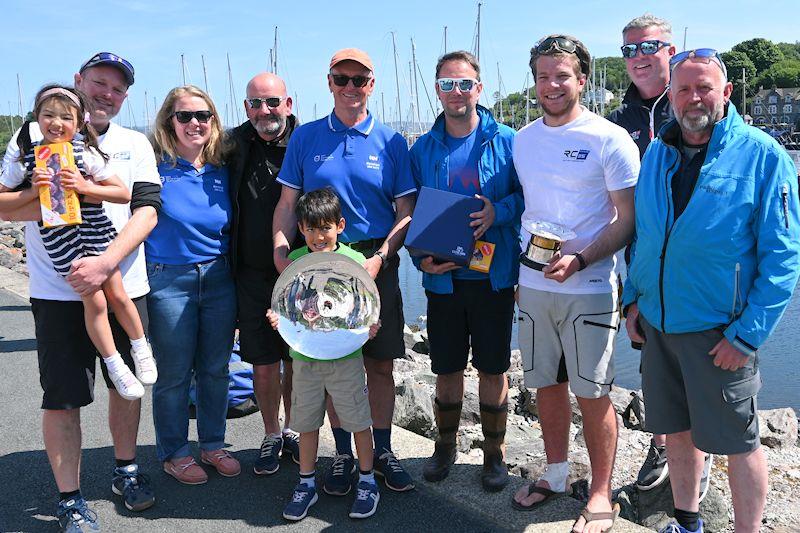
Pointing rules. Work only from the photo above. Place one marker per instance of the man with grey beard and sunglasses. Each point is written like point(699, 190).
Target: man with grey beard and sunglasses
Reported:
point(259, 147)
point(719, 196)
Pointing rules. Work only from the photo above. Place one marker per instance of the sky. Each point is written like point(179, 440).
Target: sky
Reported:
point(43, 42)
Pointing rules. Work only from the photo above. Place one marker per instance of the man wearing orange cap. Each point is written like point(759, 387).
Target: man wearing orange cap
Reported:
point(368, 166)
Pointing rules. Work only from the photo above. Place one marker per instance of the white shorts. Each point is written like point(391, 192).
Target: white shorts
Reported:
point(568, 338)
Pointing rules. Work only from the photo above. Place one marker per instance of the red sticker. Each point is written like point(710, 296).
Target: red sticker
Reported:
point(486, 249)
point(43, 153)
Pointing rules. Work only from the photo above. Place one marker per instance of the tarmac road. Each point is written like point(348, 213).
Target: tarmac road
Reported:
point(245, 503)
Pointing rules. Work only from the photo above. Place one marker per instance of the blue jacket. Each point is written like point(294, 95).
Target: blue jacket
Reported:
point(499, 183)
point(731, 259)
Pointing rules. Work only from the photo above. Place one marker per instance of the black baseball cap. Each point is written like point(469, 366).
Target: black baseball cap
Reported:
point(112, 60)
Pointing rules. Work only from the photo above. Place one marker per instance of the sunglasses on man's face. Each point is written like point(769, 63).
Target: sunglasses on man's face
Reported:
point(272, 102)
point(648, 47)
point(464, 85)
point(184, 117)
point(340, 80)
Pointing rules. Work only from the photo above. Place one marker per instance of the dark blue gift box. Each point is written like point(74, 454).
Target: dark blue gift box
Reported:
point(440, 226)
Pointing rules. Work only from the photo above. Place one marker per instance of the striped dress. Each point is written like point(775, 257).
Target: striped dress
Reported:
point(65, 244)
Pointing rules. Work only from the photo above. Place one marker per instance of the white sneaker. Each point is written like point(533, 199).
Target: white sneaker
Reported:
point(145, 364)
point(127, 385)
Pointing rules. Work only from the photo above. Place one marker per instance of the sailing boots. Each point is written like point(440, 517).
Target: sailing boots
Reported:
point(493, 421)
point(448, 416)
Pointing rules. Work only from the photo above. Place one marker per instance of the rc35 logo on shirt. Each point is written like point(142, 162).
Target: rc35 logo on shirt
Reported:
point(120, 156)
point(575, 155)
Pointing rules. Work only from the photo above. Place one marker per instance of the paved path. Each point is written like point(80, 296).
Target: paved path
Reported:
point(245, 503)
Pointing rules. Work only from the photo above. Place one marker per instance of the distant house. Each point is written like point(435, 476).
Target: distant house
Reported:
point(596, 96)
point(776, 106)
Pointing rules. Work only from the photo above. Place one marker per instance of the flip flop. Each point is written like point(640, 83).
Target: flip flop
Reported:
point(533, 489)
point(589, 516)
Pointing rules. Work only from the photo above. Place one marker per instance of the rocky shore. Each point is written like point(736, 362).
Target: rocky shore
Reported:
point(12, 247)
point(415, 388)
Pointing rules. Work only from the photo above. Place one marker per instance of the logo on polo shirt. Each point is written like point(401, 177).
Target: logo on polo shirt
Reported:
point(373, 163)
point(635, 135)
point(323, 157)
point(120, 156)
point(218, 185)
point(459, 250)
point(575, 155)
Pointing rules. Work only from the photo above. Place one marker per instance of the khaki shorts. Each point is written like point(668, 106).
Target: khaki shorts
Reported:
point(568, 337)
point(343, 380)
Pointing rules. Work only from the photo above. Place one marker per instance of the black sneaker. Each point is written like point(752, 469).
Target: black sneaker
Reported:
point(74, 516)
point(706, 477)
point(291, 445)
point(655, 469)
point(268, 461)
point(389, 468)
point(339, 478)
point(133, 487)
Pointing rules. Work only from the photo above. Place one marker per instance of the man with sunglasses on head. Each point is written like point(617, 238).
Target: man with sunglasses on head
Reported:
point(367, 164)
point(469, 153)
point(66, 354)
point(714, 262)
point(577, 170)
point(259, 146)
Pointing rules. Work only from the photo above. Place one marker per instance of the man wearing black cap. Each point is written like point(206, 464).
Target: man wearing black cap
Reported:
point(66, 354)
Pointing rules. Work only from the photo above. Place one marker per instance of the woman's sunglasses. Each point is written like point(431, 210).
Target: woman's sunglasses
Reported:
point(184, 117)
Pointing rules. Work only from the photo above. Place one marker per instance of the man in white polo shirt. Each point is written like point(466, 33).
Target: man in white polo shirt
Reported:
point(66, 354)
point(577, 170)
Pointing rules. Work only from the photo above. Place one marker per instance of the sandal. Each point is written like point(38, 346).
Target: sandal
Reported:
point(589, 516)
point(533, 489)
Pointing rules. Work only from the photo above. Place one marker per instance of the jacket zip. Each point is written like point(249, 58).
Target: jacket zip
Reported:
point(737, 271)
point(667, 232)
point(785, 195)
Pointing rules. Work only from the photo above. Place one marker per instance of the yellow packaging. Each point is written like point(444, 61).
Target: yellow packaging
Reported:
point(60, 206)
point(482, 256)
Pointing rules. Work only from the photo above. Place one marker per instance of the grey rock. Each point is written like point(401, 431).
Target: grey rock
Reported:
point(413, 408)
point(626, 497)
point(778, 427)
point(654, 503)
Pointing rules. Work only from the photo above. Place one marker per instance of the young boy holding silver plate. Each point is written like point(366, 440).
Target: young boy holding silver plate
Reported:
point(319, 216)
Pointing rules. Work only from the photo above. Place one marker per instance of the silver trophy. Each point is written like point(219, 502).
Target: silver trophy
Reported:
point(546, 240)
point(326, 303)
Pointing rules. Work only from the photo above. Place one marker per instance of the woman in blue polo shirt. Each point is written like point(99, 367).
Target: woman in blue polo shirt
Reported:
point(192, 300)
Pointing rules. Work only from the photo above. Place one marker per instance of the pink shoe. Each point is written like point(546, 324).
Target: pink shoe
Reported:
point(186, 470)
point(223, 461)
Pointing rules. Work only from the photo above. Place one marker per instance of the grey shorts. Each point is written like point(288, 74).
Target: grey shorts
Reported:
point(568, 337)
point(684, 391)
point(346, 384)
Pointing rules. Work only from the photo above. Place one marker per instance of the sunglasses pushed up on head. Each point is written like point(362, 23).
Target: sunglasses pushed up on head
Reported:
point(184, 117)
point(560, 43)
point(703, 53)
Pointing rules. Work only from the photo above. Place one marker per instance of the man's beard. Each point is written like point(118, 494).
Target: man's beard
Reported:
point(270, 125)
point(554, 111)
point(703, 122)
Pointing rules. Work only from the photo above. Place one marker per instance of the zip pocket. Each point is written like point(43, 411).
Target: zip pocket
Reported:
point(785, 198)
point(737, 272)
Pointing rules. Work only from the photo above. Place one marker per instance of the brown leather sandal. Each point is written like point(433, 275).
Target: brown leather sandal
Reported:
point(589, 516)
point(533, 489)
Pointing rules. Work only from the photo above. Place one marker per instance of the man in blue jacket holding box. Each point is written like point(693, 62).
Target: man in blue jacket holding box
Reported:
point(713, 267)
point(467, 152)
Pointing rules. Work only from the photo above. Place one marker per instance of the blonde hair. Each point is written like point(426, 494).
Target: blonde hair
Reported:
point(164, 140)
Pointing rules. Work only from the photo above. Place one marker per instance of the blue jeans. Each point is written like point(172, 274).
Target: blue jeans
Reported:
point(192, 312)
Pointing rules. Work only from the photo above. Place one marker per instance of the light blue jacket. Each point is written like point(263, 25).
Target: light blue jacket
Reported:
point(499, 183)
point(731, 259)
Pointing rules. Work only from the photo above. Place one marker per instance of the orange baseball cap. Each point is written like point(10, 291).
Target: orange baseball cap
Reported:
point(352, 54)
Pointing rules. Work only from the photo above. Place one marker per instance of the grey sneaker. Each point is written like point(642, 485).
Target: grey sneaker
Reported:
point(706, 477)
point(133, 487)
point(74, 516)
point(655, 469)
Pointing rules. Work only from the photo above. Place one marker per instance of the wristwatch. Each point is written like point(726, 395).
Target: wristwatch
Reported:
point(384, 259)
point(581, 261)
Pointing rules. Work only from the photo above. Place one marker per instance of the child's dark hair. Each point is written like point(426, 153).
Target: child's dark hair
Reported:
point(318, 207)
point(72, 98)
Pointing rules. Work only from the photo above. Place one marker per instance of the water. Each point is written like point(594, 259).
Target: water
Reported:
point(779, 371)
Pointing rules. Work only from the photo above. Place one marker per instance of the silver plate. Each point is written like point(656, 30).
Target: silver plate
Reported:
point(326, 303)
point(548, 230)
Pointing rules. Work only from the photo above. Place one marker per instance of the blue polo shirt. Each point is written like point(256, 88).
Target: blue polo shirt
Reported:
point(367, 165)
point(194, 220)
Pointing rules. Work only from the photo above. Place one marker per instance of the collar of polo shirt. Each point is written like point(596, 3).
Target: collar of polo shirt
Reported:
point(363, 127)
